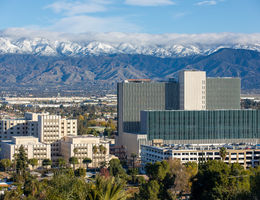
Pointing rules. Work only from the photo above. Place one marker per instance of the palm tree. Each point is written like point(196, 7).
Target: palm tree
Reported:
point(5, 163)
point(101, 147)
point(107, 189)
point(61, 162)
point(95, 149)
point(73, 161)
point(133, 156)
point(31, 187)
point(87, 161)
point(46, 162)
point(75, 151)
point(104, 150)
point(223, 153)
point(103, 164)
point(33, 162)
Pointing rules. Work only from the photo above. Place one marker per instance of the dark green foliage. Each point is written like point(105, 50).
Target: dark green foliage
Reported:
point(255, 183)
point(223, 153)
point(80, 172)
point(107, 189)
point(116, 169)
point(66, 187)
point(87, 161)
point(159, 182)
point(157, 171)
point(61, 162)
point(21, 161)
point(5, 164)
point(46, 162)
point(149, 191)
point(133, 172)
point(74, 161)
point(218, 180)
point(33, 162)
point(173, 179)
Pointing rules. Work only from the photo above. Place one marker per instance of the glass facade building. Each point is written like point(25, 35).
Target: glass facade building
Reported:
point(135, 96)
point(223, 93)
point(201, 125)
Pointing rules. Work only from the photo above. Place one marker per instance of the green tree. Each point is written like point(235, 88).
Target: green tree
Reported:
point(13, 194)
point(46, 162)
point(5, 164)
point(95, 149)
point(66, 187)
point(212, 181)
point(73, 161)
point(239, 182)
point(75, 150)
point(21, 161)
point(116, 169)
point(107, 189)
point(133, 173)
point(61, 162)
point(33, 162)
point(80, 172)
point(32, 187)
point(158, 170)
point(149, 191)
point(101, 149)
point(87, 161)
point(255, 182)
point(192, 170)
point(223, 153)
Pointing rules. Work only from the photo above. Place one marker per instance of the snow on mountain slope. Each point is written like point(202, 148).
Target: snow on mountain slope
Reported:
point(23, 41)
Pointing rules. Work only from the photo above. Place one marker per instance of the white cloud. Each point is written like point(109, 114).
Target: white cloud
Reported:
point(77, 17)
point(207, 3)
point(83, 23)
point(78, 7)
point(162, 45)
point(149, 2)
point(138, 39)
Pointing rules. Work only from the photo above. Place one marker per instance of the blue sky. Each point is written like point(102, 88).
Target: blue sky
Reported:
point(141, 16)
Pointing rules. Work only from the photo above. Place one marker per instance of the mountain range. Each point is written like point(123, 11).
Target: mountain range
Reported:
point(96, 61)
point(105, 70)
point(24, 41)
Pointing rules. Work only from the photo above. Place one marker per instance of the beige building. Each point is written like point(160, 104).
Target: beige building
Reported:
point(17, 127)
point(51, 128)
point(192, 90)
point(48, 128)
point(82, 147)
point(32, 146)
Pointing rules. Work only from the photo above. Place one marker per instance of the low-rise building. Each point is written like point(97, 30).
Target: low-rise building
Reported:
point(83, 147)
point(246, 155)
point(32, 146)
point(48, 128)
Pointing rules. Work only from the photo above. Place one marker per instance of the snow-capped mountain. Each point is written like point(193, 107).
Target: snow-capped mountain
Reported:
point(22, 41)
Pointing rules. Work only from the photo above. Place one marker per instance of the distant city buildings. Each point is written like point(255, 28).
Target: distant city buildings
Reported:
point(56, 102)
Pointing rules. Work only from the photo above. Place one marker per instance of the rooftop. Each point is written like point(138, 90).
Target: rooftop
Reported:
point(204, 147)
